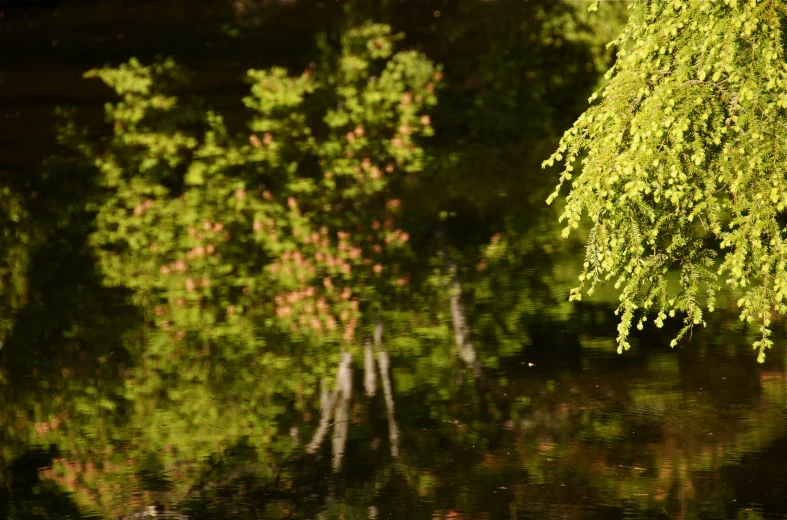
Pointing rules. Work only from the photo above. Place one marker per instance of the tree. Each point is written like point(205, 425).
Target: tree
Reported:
point(294, 218)
point(682, 165)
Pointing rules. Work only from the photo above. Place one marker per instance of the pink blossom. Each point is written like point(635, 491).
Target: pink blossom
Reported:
point(349, 332)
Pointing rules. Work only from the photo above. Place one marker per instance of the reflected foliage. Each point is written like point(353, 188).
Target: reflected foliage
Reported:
point(233, 278)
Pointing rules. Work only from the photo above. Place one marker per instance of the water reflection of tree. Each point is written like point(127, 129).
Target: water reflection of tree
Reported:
point(207, 408)
point(196, 364)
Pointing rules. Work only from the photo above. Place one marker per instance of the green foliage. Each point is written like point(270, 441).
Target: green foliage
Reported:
point(219, 233)
point(681, 164)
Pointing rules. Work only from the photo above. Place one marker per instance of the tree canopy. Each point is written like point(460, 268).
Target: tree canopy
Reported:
point(680, 165)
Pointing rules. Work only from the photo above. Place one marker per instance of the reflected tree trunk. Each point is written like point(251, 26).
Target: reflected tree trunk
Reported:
point(329, 399)
point(327, 404)
point(464, 341)
point(385, 376)
point(335, 404)
point(369, 370)
point(344, 387)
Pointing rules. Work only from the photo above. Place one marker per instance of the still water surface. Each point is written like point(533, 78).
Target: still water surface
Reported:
point(530, 414)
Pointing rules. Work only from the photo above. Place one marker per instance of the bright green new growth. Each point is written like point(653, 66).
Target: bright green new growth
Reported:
point(683, 164)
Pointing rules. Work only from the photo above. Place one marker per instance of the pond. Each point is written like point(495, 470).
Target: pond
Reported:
point(314, 307)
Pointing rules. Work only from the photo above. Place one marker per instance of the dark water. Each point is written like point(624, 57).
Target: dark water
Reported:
point(534, 415)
